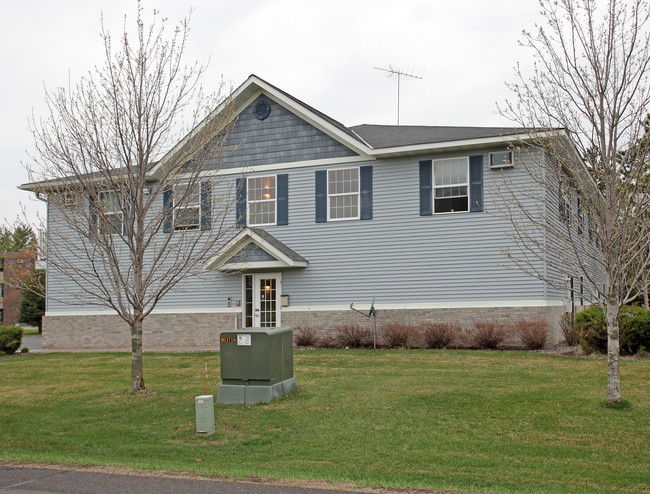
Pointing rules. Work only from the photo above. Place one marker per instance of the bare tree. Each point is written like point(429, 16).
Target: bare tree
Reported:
point(586, 104)
point(131, 209)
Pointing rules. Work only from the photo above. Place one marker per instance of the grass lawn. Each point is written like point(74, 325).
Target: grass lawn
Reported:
point(458, 420)
point(30, 332)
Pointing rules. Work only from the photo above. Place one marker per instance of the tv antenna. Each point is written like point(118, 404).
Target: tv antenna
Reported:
point(399, 73)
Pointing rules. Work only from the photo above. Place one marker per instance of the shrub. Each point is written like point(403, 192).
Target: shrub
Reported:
point(24, 350)
point(351, 336)
point(592, 329)
point(533, 334)
point(10, 338)
point(585, 346)
point(396, 335)
point(568, 329)
point(438, 334)
point(487, 335)
point(633, 325)
point(305, 336)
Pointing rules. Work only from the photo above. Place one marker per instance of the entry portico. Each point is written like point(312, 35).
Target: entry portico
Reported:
point(260, 258)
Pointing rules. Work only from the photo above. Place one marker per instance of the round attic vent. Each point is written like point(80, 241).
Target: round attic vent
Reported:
point(262, 110)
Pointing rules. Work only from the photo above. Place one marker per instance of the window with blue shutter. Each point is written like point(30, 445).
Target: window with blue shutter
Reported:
point(366, 192)
point(241, 202)
point(168, 209)
point(206, 205)
point(426, 193)
point(92, 214)
point(321, 196)
point(344, 194)
point(476, 183)
point(283, 199)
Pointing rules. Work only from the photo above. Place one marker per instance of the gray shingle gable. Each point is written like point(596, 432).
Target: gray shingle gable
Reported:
point(282, 137)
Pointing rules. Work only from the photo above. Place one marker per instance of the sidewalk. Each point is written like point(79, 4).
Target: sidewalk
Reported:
point(31, 342)
point(20, 480)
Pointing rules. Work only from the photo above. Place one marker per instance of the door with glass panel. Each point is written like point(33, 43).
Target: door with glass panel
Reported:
point(262, 300)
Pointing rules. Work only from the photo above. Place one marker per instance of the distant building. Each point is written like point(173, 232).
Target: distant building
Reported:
point(13, 267)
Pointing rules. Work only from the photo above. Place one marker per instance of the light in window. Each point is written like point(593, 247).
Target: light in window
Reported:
point(261, 200)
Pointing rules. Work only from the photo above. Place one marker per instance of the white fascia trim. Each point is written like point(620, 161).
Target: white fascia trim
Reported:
point(247, 266)
point(283, 166)
point(217, 310)
point(483, 141)
point(432, 305)
point(240, 241)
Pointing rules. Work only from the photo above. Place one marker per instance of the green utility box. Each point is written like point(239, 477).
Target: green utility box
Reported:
point(204, 414)
point(256, 365)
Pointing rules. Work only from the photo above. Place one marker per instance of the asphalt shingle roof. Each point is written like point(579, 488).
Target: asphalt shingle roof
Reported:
point(386, 136)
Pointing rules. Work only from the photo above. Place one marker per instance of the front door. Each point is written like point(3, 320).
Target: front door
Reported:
point(262, 300)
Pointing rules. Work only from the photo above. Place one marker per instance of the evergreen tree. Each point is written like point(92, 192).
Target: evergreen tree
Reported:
point(20, 237)
point(32, 306)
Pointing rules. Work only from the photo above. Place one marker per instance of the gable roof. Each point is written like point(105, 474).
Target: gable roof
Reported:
point(368, 141)
point(386, 136)
point(232, 256)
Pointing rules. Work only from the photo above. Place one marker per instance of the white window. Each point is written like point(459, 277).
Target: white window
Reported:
point(343, 194)
point(112, 217)
point(450, 185)
point(68, 198)
point(565, 200)
point(187, 207)
point(261, 200)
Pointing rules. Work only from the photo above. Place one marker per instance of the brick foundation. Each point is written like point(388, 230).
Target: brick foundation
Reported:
point(465, 318)
point(200, 331)
point(161, 332)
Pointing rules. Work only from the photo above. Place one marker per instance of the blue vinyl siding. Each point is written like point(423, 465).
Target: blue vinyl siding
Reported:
point(398, 257)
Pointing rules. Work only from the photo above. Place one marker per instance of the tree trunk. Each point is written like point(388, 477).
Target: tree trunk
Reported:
point(646, 304)
point(613, 375)
point(137, 370)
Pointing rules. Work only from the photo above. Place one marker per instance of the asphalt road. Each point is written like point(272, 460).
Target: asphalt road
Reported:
point(22, 480)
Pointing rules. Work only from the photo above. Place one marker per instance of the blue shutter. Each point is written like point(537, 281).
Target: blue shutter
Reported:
point(321, 196)
point(579, 219)
point(426, 201)
point(168, 209)
point(206, 205)
point(283, 199)
point(92, 214)
point(128, 206)
point(366, 192)
point(241, 202)
point(476, 183)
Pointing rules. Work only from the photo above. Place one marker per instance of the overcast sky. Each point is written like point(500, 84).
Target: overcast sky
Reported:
point(320, 52)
